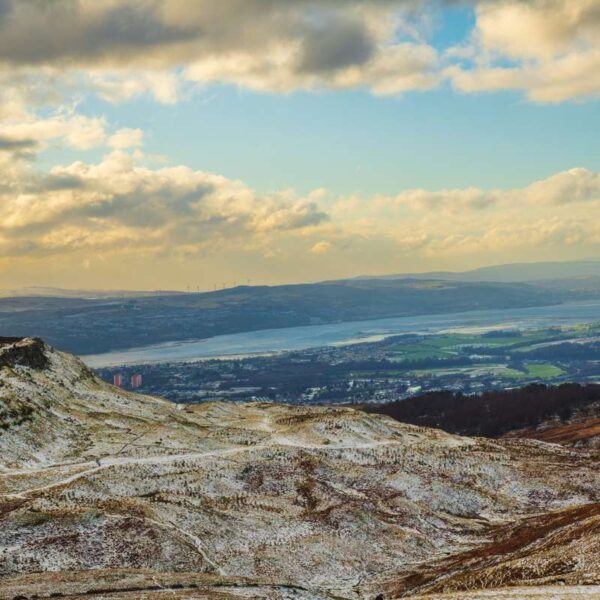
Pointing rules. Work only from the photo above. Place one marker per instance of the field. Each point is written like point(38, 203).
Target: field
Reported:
point(509, 356)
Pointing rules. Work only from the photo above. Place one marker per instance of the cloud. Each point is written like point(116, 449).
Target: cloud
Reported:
point(457, 200)
point(76, 131)
point(335, 44)
point(549, 218)
point(321, 248)
point(23, 148)
point(121, 86)
point(119, 204)
point(8, 144)
point(542, 28)
point(126, 138)
point(548, 48)
point(119, 210)
point(154, 33)
point(538, 236)
point(126, 48)
point(568, 187)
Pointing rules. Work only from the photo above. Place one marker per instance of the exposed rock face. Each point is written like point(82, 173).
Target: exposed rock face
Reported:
point(25, 352)
point(125, 494)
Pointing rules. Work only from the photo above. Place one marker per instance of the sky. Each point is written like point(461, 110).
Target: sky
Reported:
point(190, 144)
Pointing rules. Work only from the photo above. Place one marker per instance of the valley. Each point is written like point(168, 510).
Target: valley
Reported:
point(101, 325)
point(462, 358)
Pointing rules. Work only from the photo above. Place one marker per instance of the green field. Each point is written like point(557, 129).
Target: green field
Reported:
point(453, 344)
point(502, 349)
point(543, 370)
point(532, 371)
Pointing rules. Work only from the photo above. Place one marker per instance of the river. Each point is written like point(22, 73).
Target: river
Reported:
point(269, 341)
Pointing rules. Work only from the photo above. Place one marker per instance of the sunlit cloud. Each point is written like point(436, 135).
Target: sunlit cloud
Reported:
point(117, 204)
point(321, 248)
point(126, 138)
point(548, 48)
point(120, 207)
point(569, 187)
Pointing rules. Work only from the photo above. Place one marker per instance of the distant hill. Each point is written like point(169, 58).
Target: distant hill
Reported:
point(91, 326)
point(515, 272)
point(54, 292)
point(92, 322)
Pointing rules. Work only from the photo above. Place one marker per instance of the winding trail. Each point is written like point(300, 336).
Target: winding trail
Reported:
point(107, 463)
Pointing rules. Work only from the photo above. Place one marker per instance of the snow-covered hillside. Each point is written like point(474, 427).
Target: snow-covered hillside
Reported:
point(115, 491)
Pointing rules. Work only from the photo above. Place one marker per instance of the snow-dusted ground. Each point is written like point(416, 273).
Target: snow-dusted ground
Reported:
point(587, 592)
point(330, 500)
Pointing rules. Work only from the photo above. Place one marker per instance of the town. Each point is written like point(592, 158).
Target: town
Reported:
point(392, 369)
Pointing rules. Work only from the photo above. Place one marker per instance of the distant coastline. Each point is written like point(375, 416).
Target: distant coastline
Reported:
point(270, 341)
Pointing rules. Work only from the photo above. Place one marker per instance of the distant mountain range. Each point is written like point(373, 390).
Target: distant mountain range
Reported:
point(92, 322)
point(507, 273)
point(55, 292)
point(93, 326)
point(513, 272)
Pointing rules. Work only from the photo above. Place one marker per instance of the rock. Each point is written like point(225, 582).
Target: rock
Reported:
point(23, 352)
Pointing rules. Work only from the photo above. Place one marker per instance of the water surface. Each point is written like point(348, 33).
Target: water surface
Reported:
point(269, 341)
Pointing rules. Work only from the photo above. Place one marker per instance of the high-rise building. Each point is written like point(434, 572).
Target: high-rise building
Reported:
point(118, 380)
point(136, 381)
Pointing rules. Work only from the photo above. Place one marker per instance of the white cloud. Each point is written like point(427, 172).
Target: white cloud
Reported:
point(124, 85)
point(126, 138)
point(548, 48)
point(77, 131)
point(321, 248)
point(539, 29)
point(568, 187)
point(118, 209)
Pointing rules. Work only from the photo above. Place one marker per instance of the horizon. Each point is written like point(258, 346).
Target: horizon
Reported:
point(235, 285)
point(190, 289)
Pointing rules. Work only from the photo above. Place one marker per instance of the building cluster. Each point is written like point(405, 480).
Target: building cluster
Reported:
point(134, 382)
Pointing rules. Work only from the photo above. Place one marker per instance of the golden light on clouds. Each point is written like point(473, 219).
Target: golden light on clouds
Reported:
point(118, 210)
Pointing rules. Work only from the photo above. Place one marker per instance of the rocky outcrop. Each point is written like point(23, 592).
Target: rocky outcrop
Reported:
point(23, 352)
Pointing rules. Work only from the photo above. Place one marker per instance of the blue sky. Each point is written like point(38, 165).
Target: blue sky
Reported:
point(354, 142)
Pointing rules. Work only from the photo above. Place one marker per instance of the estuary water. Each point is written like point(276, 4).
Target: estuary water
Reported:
point(269, 341)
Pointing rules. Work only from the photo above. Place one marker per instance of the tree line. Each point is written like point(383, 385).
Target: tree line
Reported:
point(493, 413)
